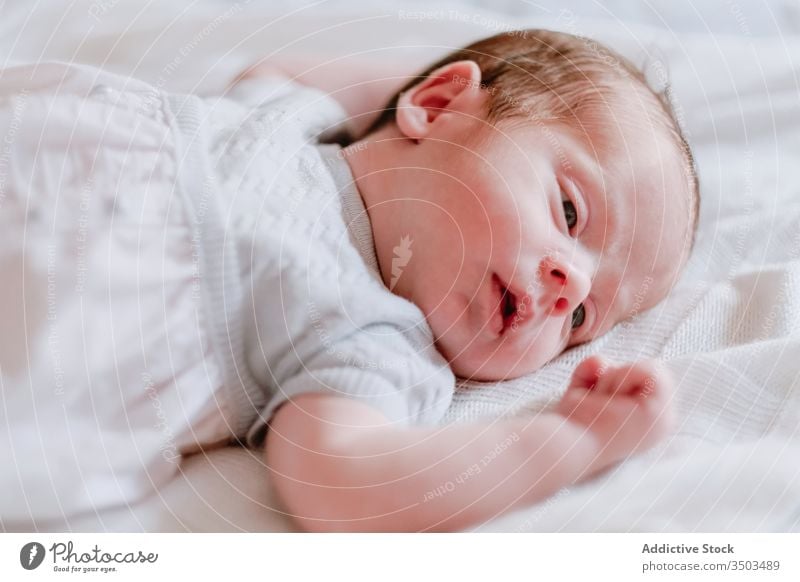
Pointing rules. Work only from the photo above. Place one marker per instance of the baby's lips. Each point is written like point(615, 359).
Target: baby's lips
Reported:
point(526, 302)
point(524, 309)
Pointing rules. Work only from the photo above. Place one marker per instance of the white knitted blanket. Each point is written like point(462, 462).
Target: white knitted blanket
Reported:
point(730, 330)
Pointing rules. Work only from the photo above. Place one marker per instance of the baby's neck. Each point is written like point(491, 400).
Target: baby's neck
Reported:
point(371, 162)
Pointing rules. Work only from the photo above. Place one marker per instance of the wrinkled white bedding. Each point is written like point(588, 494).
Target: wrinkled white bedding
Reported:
point(730, 330)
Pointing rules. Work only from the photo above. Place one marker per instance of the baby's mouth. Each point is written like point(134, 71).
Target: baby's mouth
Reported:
point(514, 307)
point(507, 307)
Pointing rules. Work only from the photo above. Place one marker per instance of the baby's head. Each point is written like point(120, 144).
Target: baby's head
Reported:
point(527, 192)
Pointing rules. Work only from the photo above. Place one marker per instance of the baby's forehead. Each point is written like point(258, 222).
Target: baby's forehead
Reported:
point(647, 184)
point(640, 167)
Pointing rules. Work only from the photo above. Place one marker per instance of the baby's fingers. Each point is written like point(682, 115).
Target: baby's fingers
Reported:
point(613, 381)
point(645, 379)
point(588, 407)
point(649, 380)
point(588, 372)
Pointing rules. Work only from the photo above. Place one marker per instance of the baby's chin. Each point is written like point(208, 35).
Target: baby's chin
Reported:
point(489, 363)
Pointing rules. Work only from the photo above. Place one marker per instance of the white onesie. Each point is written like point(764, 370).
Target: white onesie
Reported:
point(175, 268)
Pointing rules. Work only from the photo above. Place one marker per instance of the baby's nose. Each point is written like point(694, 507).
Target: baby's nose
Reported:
point(565, 286)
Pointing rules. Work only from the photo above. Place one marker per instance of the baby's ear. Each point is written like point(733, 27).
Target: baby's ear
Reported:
point(445, 89)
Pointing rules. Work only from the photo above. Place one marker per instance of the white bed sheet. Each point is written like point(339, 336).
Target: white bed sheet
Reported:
point(730, 331)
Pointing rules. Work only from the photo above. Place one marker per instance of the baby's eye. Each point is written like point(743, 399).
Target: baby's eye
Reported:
point(578, 316)
point(570, 214)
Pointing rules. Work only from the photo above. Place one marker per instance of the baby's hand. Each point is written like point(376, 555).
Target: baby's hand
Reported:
point(626, 407)
point(260, 69)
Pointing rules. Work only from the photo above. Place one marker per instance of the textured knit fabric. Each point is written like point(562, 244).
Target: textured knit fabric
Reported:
point(315, 313)
point(175, 268)
point(286, 265)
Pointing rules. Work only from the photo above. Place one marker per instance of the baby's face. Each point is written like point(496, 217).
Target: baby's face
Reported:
point(538, 238)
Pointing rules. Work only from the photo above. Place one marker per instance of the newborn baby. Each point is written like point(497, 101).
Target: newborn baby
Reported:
point(211, 273)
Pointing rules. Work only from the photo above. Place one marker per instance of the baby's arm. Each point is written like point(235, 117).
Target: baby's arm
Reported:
point(361, 85)
point(338, 467)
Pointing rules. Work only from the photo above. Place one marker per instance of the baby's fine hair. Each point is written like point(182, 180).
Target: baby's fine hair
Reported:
point(555, 76)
